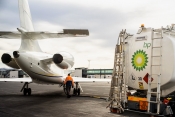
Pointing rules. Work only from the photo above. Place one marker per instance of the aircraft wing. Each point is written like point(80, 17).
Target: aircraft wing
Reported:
point(10, 35)
point(65, 33)
point(16, 80)
point(78, 79)
point(45, 34)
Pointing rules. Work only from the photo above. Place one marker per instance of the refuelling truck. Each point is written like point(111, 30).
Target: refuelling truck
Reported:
point(144, 63)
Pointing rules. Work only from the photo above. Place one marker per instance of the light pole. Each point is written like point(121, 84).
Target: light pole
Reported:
point(89, 64)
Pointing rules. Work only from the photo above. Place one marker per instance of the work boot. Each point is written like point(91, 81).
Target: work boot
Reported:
point(68, 96)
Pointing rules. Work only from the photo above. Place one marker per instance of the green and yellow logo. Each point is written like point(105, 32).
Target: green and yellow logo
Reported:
point(139, 60)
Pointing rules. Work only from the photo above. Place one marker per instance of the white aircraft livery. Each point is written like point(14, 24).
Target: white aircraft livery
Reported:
point(41, 67)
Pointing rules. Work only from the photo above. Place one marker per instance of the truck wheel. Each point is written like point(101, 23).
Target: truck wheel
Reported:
point(118, 111)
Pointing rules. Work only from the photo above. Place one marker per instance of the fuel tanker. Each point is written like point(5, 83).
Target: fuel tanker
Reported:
point(144, 62)
point(151, 52)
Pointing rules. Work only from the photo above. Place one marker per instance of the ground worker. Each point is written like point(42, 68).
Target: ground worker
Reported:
point(69, 83)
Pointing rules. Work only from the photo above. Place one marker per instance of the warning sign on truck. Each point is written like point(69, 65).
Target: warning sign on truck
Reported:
point(141, 85)
point(146, 78)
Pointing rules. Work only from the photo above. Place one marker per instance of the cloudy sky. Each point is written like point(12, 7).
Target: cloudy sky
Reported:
point(104, 19)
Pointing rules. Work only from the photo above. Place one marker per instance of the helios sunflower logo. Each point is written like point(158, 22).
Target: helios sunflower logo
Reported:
point(139, 60)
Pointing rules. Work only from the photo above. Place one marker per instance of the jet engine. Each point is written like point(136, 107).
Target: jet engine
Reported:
point(63, 60)
point(7, 58)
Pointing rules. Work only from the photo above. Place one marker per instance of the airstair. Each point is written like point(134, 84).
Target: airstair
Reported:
point(117, 95)
point(7, 75)
point(156, 60)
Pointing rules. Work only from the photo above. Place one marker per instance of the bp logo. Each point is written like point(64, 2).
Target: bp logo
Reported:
point(139, 60)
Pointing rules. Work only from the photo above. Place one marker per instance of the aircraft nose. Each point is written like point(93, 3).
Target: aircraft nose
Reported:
point(16, 54)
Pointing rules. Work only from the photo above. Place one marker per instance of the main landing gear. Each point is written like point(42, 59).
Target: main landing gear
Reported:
point(25, 89)
point(76, 90)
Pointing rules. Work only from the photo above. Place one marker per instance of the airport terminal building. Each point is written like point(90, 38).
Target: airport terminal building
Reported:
point(78, 72)
point(12, 73)
point(92, 73)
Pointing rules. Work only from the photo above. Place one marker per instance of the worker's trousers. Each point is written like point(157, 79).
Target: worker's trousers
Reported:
point(68, 89)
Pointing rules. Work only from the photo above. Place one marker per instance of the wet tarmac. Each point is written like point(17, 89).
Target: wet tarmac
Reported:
point(50, 101)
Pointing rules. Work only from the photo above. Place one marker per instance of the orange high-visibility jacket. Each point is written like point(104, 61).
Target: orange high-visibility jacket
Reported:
point(69, 78)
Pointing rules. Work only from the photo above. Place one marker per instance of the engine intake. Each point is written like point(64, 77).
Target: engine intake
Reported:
point(6, 58)
point(57, 58)
point(16, 54)
point(63, 60)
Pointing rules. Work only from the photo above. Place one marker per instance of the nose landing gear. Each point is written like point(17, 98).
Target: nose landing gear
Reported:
point(76, 90)
point(26, 90)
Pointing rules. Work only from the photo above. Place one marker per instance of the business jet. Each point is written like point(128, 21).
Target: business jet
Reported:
point(42, 68)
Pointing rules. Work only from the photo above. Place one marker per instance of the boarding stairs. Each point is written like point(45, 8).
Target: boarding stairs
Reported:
point(117, 95)
point(155, 71)
point(7, 75)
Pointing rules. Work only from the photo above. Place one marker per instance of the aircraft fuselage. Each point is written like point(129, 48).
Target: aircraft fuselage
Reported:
point(40, 71)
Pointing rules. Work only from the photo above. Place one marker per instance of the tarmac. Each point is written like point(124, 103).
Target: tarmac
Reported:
point(50, 101)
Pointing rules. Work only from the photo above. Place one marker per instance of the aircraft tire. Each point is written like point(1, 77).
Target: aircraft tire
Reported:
point(78, 91)
point(74, 92)
point(25, 91)
point(29, 91)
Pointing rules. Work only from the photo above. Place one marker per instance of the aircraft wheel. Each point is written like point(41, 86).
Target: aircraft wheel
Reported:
point(29, 91)
point(78, 91)
point(25, 91)
point(75, 91)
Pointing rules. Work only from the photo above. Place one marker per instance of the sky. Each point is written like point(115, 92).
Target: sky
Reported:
point(103, 18)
